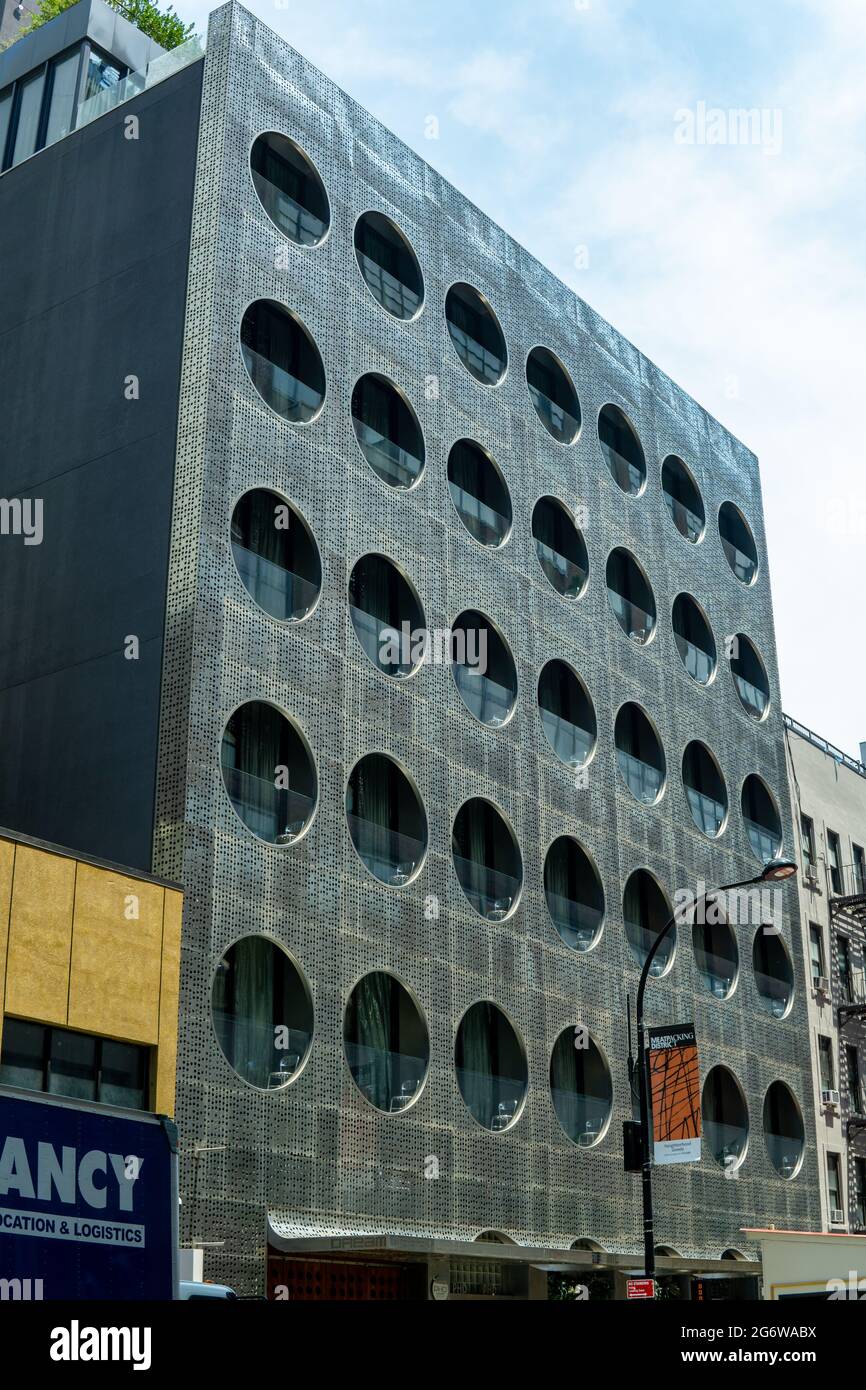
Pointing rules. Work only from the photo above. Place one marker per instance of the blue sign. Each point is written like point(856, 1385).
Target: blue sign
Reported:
point(88, 1200)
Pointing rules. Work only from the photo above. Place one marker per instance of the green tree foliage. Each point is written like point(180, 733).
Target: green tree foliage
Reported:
point(164, 26)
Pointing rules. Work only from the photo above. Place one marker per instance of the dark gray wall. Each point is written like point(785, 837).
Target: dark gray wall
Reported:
point(94, 246)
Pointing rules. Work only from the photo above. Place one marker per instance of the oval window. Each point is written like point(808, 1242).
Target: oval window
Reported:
point(283, 362)
point(262, 1012)
point(289, 189)
point(389, 265)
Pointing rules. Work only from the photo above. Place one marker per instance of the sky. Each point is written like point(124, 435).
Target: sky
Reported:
point(737, 267)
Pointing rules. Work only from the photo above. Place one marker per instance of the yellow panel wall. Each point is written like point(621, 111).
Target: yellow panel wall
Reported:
point(168, 1003)
point(116, 956)
point(40, 935)
point(92, 949)
point(7, 862)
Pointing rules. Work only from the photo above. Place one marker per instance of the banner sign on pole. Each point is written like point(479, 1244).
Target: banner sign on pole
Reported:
point(675, 1093)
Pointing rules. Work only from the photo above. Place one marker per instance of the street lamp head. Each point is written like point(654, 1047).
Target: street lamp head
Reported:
point(777, 869)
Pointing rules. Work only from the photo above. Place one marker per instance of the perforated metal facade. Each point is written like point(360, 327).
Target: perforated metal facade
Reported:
point(316, 1155)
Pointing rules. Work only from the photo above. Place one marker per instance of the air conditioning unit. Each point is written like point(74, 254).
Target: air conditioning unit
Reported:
point(822, 985)
point(837, 1217)
point(830, 1097)
point(811, 873)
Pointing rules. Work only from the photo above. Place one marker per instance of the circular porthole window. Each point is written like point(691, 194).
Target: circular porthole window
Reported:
point(761, 819)
point(282, 361)
point(639, 754)
point(704, 788)
point(774, 973)
point(738, 543)
point(487, 859)
point(483, 668)
point(567, 715)
point(725, 1118)
point(387, 431)
point(784, 1133)
point(560, 547)
point(386, 1042)
point(694, 639)
point(289, 189)
point(491, 1066)
point(476, 334)
point(716, 955)
point(479, 493)
point(387, 616)
point(646, 912)
point(262, 1013)
point(389, 265)
point(580, 1087)
point(573, 893)
point(630, 596)
point(276, 555)
point(552, 393)
point(750, 677)
point(621, 450)
point(386, 819)
point(268, 773)
point(682, 499)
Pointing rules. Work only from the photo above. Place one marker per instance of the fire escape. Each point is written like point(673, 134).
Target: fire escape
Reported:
point(848, 908)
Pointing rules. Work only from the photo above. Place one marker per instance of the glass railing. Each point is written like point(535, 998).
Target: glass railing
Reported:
point(699, 664)
point(249, 1045)
point(275, 814)
point(754, 699)
point(707, 813)
point(774, 994)
point(582, 1117)
point(290, 216)
point(391, 293)
point(633, 620)
point(743, 566)
point(389, 855)
point(566, 577)
point(493, 1100)
point(641, 940)
point(642, 779)
point(380, 640)
point(784, 1151)
point(765, 842)
point(628, 475)
point(281, 592)
point(166, 65)
point(577, 923)
point(717, 973)
point(560, 423)
point(284, 393)
point(479, 360)
point(724, 1141)
point(687, 522)
point(393, 464)
point(491, 893)
point(389, 1080)
point(571, 744)
point(487, 699)
point(482, 521)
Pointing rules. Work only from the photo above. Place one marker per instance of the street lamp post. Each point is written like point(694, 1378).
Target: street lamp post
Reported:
point(776, 870)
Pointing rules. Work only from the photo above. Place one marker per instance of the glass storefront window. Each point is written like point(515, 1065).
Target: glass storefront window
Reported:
point(101, 74)
point(28, 117)
point(61, 113)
